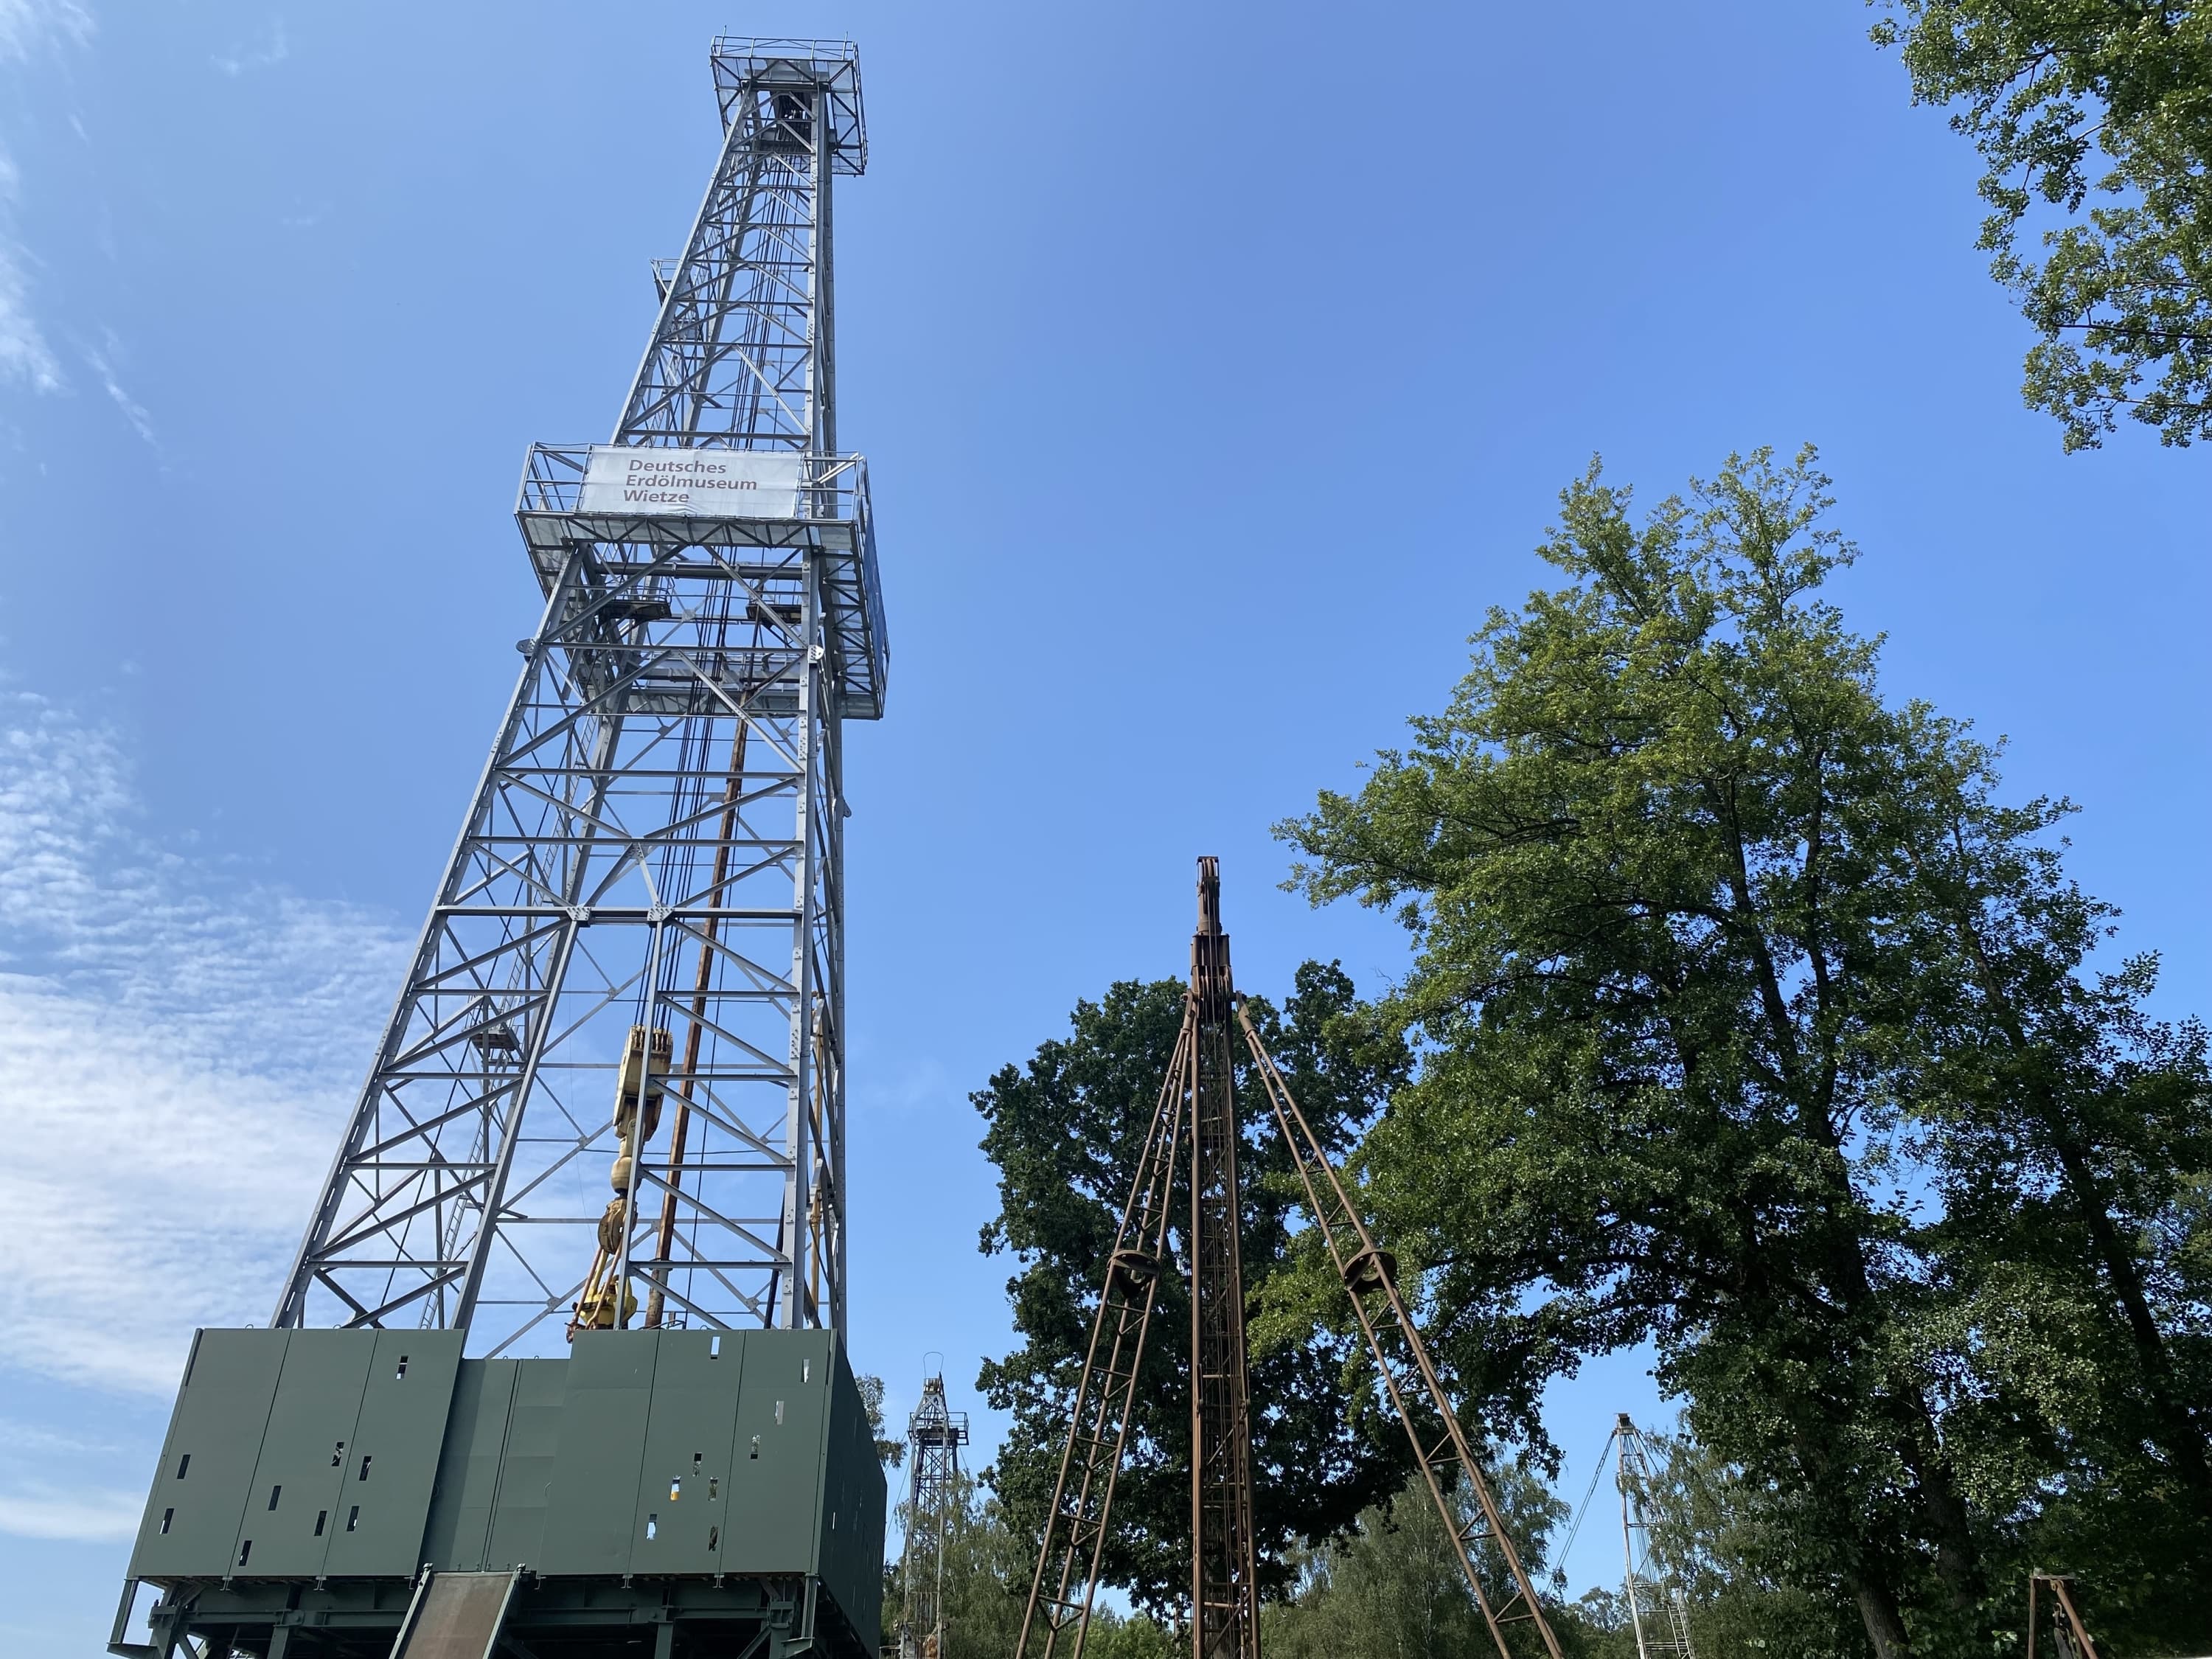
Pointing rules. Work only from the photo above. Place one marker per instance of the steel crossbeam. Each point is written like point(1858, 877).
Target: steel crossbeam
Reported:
point(657, 838)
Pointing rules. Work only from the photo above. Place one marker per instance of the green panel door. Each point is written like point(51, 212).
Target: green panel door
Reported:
point(526, 1468)
point(200, 1490)
point(468, 1471)
point(286, 1528)
point(776, 1466)
point(383, 1504)
point(587, 1520)
point(683, 1485)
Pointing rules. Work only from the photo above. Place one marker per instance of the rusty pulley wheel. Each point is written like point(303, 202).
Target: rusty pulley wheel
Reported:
point(1135, 1268)
point(1372, 1269)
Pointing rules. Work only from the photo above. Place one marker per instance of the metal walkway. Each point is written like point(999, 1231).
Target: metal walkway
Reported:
point(456, 1615)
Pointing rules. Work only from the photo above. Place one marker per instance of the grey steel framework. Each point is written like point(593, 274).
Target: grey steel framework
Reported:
point(1656, 1611)
point(934, 1435)
point(653, 863)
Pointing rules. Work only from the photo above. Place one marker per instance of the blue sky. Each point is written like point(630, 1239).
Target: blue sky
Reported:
point(1218, 365)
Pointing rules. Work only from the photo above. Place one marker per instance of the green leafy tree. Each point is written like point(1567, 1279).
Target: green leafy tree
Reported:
point(892, 1453)
point(2093, 119)
point(1065, 1131)
point(988, 1568)
point(1392, 1587)
point(986, 1576)
point(1132, 1636)
point(1732, 981)
point(1728, 1542)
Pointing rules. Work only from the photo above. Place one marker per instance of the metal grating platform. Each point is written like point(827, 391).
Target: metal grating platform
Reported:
point(456, 1615)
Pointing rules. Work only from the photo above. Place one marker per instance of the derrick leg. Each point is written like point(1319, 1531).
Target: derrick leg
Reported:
point(1082, 1498)
point(1369, 1274)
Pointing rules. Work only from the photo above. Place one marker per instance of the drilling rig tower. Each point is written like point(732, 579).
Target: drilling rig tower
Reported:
point(934, 1437)
point(559, 1363)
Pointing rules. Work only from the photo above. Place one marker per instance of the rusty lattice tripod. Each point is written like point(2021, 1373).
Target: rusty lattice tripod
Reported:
point(1198, 1094)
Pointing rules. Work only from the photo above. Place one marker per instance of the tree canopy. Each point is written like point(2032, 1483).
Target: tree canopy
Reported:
point(2093, 119)
point(1756, 1025)
point(1749, 1018)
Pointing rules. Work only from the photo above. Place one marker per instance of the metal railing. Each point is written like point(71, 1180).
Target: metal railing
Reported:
point(833, 488)
point(833, 491)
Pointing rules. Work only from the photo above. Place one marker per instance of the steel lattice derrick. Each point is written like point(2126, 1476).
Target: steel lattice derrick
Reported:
point(1067, 1580)
point(744, 341)
point(935, 1435)
point(656, 843)
point(1417, 1393)
point(1224, 1587)
point(1657, 1613)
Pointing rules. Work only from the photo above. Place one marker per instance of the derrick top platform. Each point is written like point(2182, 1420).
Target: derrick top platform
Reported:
point(749, 70)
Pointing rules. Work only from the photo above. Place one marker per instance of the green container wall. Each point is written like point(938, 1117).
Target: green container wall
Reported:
point(655, 1453)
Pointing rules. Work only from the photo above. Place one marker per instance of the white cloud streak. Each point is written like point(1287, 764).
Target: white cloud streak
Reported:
point(28, 27)
point(38, 1509)
point(240, 60)
point(103, 364)
point(176, 1053)
point(30, 1438)
point(24, 354)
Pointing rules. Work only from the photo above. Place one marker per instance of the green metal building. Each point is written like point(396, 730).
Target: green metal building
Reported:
point(667, 1491)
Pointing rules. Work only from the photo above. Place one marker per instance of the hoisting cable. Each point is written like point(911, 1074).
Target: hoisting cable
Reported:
point(1582, 1509)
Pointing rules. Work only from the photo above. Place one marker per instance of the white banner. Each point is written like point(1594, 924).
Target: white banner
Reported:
point(693, 483)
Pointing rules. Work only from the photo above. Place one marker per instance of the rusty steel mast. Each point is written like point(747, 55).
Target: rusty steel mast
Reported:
point(1198, 1101)
point(1224, 1588)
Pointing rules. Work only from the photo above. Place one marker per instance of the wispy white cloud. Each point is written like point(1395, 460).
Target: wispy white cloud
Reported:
point(32, 1438)
point(900, 1086)
point(103, 363)
point(239, 60)
point(24, 354)
point(176, 1050)
point(40, 1509)
point(28, 25)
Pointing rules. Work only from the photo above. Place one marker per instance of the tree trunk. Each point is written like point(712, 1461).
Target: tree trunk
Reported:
point(2176, 1429)
point(1944, 1513)
point(1878, 1611)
